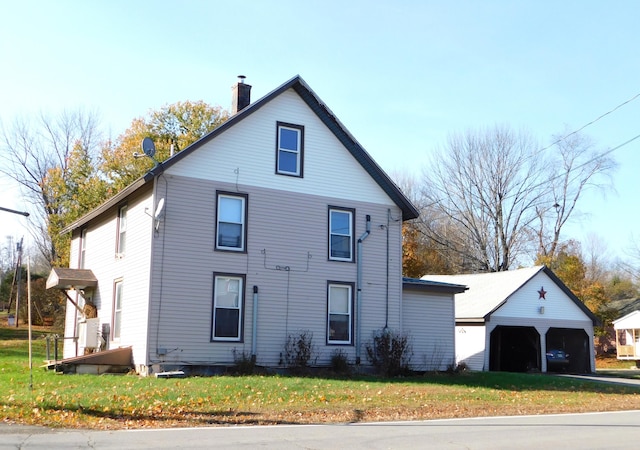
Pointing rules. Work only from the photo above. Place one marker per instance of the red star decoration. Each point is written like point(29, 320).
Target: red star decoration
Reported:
point(542, 293)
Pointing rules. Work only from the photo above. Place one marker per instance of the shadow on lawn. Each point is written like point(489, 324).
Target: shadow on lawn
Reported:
point(192, 418)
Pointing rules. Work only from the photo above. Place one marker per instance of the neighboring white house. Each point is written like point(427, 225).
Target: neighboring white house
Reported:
point(274, 223)
point(628, 336)
point(509, 321)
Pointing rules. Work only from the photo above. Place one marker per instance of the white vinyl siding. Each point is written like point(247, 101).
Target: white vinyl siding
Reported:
point(244, 155)
point(470, 345)
point(526, 302)
point(102, 237)
point(340, 317)
point(227, 307)
point(428, 318)
point(287, 263)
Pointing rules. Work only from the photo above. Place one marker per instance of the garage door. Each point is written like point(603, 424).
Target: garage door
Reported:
point(573, 341)
point(514, 349)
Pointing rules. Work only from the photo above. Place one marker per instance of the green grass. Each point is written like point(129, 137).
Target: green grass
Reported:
point(129, 401)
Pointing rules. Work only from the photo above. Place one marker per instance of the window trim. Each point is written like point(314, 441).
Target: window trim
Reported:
point(118, 282)
point(245, 209)
point(121, 235)
point(299, 173)
point(241, 307)
point(352, 216)
point(351, 288)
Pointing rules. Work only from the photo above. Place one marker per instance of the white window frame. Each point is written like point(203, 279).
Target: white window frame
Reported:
point(349, 234)
point(239, 304)
point(331, 311)
point(116, 325)
point(298, 152)
point(121, 245)
point(242, 222)
point(83, 248)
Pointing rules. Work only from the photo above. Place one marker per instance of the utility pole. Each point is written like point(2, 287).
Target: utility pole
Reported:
point(18, 266)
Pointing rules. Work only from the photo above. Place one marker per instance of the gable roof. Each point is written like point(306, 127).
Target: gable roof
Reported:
point(631, 320)
point(489, 291)
point(327, 117)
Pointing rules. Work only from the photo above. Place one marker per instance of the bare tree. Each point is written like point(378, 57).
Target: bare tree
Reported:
point(483, 188)
point(575, 167)
point(31, 150)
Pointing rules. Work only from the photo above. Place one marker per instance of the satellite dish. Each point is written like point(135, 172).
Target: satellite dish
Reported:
point(148, 147)
point(159, 209)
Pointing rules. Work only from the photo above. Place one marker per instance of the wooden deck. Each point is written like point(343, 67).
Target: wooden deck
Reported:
point(117, 360)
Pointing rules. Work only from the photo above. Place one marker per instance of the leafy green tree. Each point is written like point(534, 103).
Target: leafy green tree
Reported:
point(178, 125)
point(74, 191)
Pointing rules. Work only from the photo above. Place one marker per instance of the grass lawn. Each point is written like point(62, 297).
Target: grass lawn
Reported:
point(129, 401)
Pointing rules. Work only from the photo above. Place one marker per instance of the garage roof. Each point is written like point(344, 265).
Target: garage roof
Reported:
point(489, 291)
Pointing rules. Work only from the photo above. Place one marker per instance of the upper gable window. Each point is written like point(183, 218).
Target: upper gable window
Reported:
point(231, 222)
point(290, 149)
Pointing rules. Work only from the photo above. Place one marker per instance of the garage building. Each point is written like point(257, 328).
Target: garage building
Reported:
point(509, 321)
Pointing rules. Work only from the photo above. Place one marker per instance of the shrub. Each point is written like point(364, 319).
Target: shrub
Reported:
point(390, 352)
point(340, 362)
point(243, 363)
point(299, 351)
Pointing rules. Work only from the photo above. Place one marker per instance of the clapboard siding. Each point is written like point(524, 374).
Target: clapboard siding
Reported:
point(246, 155)
point(133, 269)
point(470, 346)
point(284, 230)
point(526, 302)
point(428, 319)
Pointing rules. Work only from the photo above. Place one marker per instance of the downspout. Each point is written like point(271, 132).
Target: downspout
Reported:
point(359, 287)
point(254, 340)
point(386, 317)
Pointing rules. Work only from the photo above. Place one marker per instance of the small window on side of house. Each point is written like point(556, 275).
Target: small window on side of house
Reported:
point(340, 313)
point(83, 248)
point(231, 229)
point(121, 238)
point(228, 304)
point(117, 309)
point(341, 234)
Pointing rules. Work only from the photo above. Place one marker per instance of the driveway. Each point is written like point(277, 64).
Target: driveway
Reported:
point(603, 378)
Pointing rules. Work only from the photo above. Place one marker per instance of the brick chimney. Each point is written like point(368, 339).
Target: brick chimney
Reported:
point(240, 95)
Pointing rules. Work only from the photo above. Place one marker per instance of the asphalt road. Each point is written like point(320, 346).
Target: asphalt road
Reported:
point(613, 430)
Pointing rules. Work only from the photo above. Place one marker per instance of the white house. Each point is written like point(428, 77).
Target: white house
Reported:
point(628, 336)
point(509, 321)
point(274, 223)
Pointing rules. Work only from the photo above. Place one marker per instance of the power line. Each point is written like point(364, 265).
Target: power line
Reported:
point(591, 123)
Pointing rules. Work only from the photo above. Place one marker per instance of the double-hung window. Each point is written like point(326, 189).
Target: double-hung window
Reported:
point(228, 300)
point(117, 309)
point(341, 234)
point(290, 149)
point(231, 230)
point(340, 316)
point(121, 238)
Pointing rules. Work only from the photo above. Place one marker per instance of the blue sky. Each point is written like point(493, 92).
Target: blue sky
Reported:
point(400, 75)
